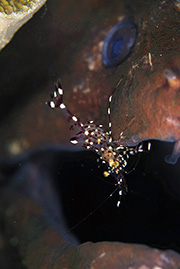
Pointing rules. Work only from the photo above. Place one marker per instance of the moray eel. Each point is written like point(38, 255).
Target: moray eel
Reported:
point(147, 76)
point(145, 79)
point(150, 90)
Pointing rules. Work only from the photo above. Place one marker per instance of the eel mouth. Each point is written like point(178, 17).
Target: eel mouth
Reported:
point(69, 185)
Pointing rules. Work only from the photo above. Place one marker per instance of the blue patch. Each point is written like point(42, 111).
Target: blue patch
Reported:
point(118, 43)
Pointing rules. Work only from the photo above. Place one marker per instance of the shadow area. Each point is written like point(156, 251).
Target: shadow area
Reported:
point(68, 186)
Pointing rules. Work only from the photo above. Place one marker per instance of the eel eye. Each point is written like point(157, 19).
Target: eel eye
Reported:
point(118, 43)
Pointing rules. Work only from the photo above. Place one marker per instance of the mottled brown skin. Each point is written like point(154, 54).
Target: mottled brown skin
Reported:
point(145, 93)
point(75, 37)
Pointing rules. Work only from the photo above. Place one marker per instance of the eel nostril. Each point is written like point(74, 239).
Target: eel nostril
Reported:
point(170, 74)
point(173, 77)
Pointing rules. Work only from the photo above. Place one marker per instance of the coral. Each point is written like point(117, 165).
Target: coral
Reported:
point(13, 14)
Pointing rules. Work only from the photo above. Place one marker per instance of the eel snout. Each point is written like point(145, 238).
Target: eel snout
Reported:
point(173, 79)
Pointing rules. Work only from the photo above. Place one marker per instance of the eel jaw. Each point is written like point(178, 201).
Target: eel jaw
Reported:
point(173, 158)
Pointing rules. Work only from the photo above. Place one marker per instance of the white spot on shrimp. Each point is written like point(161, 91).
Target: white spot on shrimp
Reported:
point(52, 104)
point(62, 106)
point(118, 203)
point(86, 132)
point(60, 91)
point(74, 118)
point(74, 142)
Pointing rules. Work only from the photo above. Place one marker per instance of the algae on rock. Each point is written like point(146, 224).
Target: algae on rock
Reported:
point(13, 14)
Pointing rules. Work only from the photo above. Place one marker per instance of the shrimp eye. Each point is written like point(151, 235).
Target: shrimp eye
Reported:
point(118, 43)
